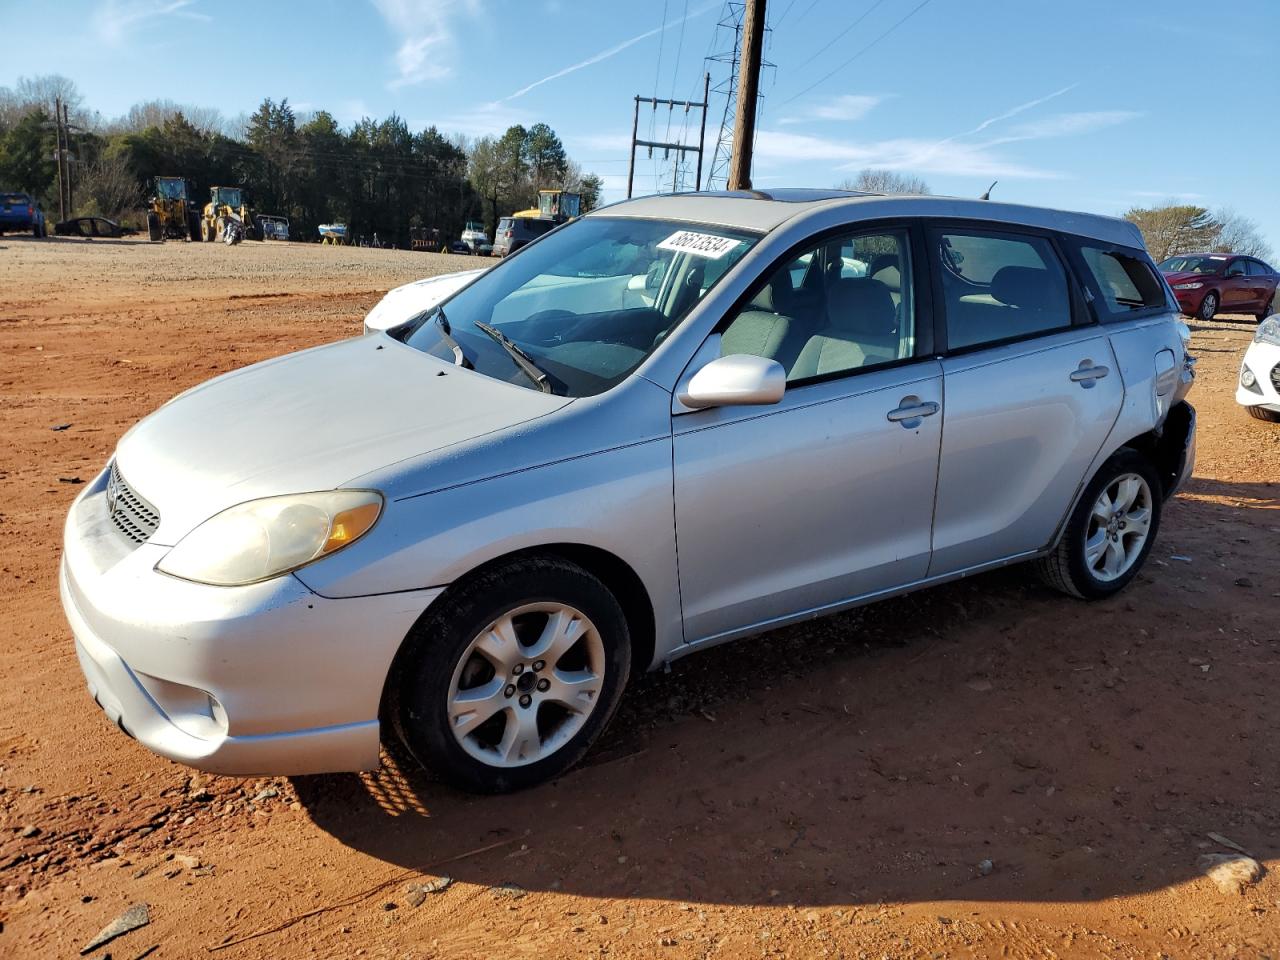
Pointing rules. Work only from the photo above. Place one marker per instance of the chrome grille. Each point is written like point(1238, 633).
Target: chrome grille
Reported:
point(132, 515)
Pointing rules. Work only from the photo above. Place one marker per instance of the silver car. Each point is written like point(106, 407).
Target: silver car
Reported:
point(675, 422)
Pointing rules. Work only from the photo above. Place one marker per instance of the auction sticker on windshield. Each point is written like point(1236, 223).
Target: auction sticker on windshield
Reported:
point(699, 244)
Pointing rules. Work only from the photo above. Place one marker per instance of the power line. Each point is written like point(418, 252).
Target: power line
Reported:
point(824, 79)
point(828, 45)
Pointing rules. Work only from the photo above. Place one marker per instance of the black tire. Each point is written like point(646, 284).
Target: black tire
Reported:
point(416, 701)
point(1266, 312)
point(153, 228)
point(1262, 413)
point(1066, 568)
point(1208, 306)
point(193, 228)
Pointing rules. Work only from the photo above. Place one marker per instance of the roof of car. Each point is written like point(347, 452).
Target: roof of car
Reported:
point(765, 210)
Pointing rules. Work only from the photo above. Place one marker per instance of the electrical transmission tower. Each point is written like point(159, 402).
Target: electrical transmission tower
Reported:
point(729, 39)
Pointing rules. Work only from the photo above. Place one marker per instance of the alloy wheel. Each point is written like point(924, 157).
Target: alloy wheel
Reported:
point(1118, 527)
point(526, 684)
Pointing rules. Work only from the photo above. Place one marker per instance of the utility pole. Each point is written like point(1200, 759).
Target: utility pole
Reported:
point(744, 122)
point(680, 149)
point(57, 154)
point(66, 128)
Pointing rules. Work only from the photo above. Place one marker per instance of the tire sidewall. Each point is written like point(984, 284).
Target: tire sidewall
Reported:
point(419, 698)
point(1126, 461)
point(1204, 313)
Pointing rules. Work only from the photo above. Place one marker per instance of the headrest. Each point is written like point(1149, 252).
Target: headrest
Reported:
point(882, 261)
point(776, 295)
point(861, 305)
point(1029, 288)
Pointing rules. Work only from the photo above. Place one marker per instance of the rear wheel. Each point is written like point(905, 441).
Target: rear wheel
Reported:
point(1262, 413)
point(1208, 306)
point(513, 676)
point(153, 228)
point(1266, 311)
point(1110, 532)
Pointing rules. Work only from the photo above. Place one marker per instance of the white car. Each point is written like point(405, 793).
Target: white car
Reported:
point(407, 301)
point(1259, 387)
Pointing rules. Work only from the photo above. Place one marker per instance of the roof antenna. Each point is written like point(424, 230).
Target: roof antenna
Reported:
point(987, 195)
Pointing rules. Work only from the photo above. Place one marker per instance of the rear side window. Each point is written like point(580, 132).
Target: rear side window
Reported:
point(504, 224)
point(999, 286)
point(1125, 282)
point(1257, 269)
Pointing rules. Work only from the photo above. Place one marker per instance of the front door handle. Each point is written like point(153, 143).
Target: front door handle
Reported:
point(1087, 374)
point(911, 410)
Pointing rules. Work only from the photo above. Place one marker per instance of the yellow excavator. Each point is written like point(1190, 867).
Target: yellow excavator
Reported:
point(227, 217)
point(171, 213)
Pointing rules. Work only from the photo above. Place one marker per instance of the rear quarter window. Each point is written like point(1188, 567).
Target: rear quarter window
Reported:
point(1125, 283)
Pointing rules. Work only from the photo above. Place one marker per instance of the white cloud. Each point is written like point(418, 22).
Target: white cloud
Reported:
point(425, 29)
point(609, 52)
point(849, 107)
point(902, 153)
point(114, 20)
point(1066, 125)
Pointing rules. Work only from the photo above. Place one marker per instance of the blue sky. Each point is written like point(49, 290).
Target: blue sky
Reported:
point(1089, 104)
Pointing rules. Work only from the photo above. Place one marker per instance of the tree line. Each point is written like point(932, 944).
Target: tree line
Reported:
point(376, 176)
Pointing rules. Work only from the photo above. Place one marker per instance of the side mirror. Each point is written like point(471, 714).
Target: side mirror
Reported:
point(737, 380)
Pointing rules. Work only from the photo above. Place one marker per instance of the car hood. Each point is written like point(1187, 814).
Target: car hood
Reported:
point(1184, 277)
point(408, 300)
point(310, 421)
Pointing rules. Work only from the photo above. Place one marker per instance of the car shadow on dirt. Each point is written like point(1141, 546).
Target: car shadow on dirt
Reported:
point(984, 740)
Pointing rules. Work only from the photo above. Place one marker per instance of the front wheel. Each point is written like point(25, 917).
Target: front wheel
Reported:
point(1208, 306)
point(512, 677)
point(1110, 532)
point(153, 228)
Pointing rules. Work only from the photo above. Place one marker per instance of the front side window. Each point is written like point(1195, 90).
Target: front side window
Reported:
point(583, 307)
point(842, 306)
point(998, 286)
point(1126, 283)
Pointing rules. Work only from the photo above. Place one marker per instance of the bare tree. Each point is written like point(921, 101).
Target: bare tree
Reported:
point(885, 181)
point(1175, 228)
point(1239, 234)
point(109, 186)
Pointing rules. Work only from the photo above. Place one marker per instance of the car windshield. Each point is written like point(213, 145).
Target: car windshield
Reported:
point(586, 303)
point(1204, 265)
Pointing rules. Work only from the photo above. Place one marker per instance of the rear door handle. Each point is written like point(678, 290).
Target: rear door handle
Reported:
point(911, 411)
point(1087, 373)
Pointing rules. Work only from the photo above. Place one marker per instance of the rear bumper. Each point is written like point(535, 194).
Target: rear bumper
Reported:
point(265, 679)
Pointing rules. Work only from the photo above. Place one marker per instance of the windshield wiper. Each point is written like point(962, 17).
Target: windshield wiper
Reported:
point(522, 359)
point(442, 325)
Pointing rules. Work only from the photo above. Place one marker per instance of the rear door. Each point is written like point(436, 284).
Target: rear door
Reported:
point(1031, 388)
point(1261, 284)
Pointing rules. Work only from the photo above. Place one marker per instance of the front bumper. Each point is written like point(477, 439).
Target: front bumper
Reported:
point(1263, 359)
point(264, 679)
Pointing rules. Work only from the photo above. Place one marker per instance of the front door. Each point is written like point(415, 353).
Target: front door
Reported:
point(827, 495)
point(1032, 392)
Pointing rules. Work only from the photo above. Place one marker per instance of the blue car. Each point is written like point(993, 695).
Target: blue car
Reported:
point(19, 212)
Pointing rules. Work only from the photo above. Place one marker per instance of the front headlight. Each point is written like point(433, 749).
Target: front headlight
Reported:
point(1195, 285)
point(264, 538)
point(1268, 332)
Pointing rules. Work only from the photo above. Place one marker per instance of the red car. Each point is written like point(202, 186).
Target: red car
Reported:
point(1209, 283)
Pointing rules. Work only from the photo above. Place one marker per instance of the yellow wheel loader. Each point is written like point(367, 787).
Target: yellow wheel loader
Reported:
point(172, 214)
point(227, 217)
